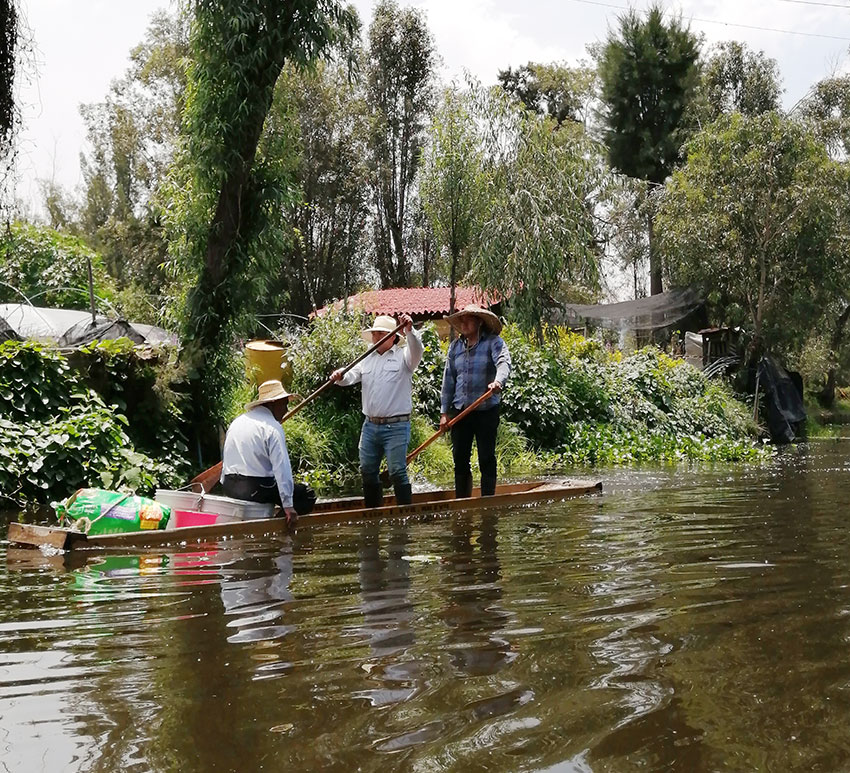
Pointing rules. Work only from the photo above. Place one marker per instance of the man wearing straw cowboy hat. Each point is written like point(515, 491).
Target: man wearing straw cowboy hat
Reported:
point(478, 360)
point(386, 376)
point(255, 461)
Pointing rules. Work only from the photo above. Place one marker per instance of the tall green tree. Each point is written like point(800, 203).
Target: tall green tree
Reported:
point(826, 111)
point(563, 93)
point(736, 79)
point(400, 74)
point(648, 72)
point(454, 184)
point(131, 138)
point(228, 200)
point(755, 219)
point(10, 25)
point(539, 231)
point(330, 215)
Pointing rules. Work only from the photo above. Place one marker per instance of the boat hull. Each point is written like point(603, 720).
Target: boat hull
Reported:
point(347, 510)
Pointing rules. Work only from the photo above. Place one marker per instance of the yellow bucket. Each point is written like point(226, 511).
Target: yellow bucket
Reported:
point(266, 360)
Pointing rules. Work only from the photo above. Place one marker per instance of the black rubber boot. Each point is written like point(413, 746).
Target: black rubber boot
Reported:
point(373, 494)
point(488, 486)
point(463, 485)
point(403, 493)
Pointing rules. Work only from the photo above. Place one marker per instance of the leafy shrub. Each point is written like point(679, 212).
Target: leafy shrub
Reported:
point(49, 267)
point(57, 434)
point(143, 384)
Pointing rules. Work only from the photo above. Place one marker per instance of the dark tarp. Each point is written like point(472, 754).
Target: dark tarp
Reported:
point(681, 309)
point(783, 392)
point(86, 331)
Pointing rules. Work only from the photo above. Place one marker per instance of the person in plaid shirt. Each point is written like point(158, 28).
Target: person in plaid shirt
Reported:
point(478, 360)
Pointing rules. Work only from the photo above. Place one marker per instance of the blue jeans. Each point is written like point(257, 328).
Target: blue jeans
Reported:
point(380, 440)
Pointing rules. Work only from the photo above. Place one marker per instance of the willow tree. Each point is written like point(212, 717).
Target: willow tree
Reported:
point(648, 71)
point(453, 185)
point(538, 232)
point(228, 197)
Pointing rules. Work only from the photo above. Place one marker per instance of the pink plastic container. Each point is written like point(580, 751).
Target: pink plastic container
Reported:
point(183, 518)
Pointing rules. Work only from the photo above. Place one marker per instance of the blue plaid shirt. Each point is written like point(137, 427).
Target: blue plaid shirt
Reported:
point(469, 370)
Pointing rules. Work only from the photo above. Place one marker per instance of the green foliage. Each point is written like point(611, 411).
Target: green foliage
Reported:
point(568, 402)
point(755, 219)
point(328, 126)
point(736, 79)
point(428, 377)
point(826, 108)
point(559, 92)
point(131, 139)
point(539, 232)
point(648, 69)
point(145, 387)
point(400, 73)
point(57, 435)
point(454, 183)
point(232, 184)
point(48, 267)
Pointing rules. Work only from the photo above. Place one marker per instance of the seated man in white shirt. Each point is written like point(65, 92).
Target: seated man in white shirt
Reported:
point(387, 376)
point(255, 462)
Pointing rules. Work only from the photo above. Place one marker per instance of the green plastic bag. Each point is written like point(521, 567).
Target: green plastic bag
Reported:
point(95, 511)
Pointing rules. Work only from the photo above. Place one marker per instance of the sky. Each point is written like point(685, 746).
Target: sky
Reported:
point(80, 47)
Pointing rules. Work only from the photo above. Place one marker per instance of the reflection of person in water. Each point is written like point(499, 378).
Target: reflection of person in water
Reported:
point(385, 589)
point(474, 588)
point(258, 600)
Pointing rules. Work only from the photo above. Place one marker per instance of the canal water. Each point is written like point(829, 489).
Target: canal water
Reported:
point(687, 619)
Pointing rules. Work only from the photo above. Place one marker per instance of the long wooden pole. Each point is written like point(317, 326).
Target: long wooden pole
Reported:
point(465, 412)
point(385, 475)
point(208, 478)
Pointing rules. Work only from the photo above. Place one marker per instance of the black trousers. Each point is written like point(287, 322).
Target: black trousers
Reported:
point(480, 426)
point(265, 490)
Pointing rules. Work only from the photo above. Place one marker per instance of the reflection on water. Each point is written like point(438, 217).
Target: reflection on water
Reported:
point(690, 620)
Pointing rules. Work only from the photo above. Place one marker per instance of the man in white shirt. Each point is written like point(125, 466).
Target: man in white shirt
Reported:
point(255, 462)
point(386, 376)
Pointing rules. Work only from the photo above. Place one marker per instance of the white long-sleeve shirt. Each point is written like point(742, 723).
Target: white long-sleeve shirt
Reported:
point(255, 445)
point(387, 378)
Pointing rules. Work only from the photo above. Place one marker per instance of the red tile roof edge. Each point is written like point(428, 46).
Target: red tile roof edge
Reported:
point(412, 300)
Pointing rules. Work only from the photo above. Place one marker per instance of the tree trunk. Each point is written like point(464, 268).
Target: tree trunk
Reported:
point(826, 396)
point(453, 289)
point(655, 283)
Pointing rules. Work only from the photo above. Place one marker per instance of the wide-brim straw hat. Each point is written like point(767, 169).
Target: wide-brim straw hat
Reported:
point(383, 324)
point(487, 317)
point(270, 392)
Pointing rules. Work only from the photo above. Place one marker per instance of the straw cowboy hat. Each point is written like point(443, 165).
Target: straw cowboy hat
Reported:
point(487, 317)
point(382, 324)
point(270, 392)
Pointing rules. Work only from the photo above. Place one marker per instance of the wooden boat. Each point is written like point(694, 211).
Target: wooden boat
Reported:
point(348, 510)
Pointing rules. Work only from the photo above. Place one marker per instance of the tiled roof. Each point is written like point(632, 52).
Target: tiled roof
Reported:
point(412, 300)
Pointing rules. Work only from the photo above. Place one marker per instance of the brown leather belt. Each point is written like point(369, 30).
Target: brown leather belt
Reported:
point(389, 419)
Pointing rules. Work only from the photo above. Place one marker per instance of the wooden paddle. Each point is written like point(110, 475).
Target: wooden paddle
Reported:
point(208, 478)
point(385, 475)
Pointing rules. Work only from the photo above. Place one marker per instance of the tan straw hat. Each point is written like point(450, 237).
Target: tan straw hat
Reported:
point(270, 392)
point(383, 324)
point(487, 317)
